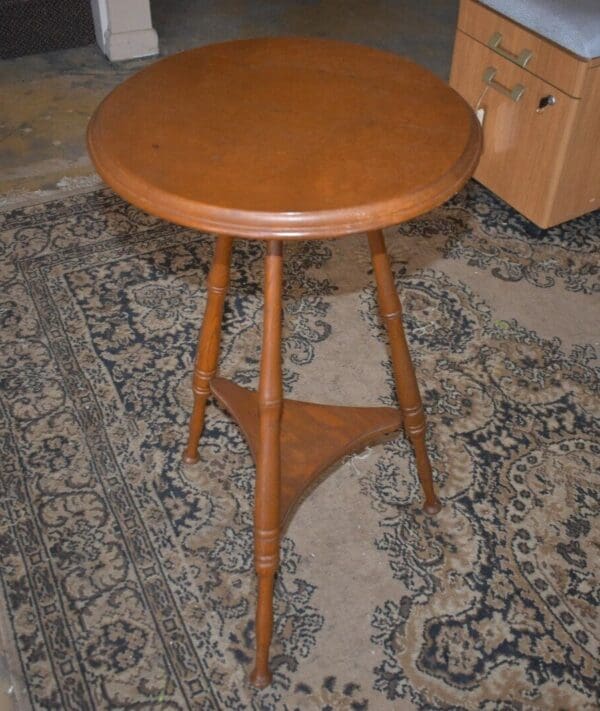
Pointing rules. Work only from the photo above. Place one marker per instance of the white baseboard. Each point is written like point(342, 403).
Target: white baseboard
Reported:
point(124, 28)
point(127, 45)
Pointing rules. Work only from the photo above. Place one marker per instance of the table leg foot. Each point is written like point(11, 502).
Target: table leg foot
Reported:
point(208, 343)
point(431, 508)
point(260, 680)
point(189, 460)
point(261, 675)
point(416, 433)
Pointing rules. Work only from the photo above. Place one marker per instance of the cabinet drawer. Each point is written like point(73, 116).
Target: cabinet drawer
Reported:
point(548, 61)
point(523, 149)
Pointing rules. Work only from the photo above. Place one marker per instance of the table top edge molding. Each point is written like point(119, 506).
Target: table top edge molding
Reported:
point(286, 225)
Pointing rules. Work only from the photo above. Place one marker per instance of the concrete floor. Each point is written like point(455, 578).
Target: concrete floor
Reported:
point(47, 99)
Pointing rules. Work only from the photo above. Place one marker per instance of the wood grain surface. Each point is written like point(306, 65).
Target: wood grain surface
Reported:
point(338, 430)
point(284, 137)
point(550, 62)
point(545, 163)
point(523, 150)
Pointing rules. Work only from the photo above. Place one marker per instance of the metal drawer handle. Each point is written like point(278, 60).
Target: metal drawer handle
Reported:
point(521, 59)
point(514, 94)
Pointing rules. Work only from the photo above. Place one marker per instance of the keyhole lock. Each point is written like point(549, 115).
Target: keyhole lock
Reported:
point(546, 101)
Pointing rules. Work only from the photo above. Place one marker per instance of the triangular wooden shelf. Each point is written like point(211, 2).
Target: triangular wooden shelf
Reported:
point(313, 437)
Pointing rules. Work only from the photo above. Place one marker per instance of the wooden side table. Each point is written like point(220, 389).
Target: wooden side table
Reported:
point(281, 139)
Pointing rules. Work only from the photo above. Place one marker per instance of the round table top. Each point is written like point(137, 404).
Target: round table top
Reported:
point(284, 138)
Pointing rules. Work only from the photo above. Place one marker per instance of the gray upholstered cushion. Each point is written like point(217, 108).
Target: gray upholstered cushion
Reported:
point(573, 24)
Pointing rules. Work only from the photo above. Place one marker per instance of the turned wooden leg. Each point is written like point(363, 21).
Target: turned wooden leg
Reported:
point(209, 340)
point(404, 373)
point(268, 465)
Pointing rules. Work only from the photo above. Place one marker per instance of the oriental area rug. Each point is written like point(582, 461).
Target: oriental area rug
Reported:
point(127, 579)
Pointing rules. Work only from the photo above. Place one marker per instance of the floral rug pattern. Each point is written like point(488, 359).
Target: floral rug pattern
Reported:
point(509, 564)
point(484, 232)
point(127, 580)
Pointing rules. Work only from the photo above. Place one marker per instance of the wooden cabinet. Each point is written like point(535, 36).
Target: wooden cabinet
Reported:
point(541, 115)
